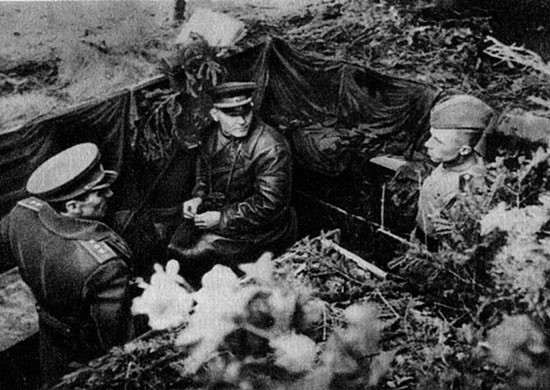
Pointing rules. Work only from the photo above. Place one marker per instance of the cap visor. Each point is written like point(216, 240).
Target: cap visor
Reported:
point(232, 102)
point(237, 111)
point(108, 179)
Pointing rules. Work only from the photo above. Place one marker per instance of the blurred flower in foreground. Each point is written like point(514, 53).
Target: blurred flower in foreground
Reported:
point(517, 222)
point(164, 300)
point(312, 311)
point(519, 344)
point(363, 330)
point(351, 358)
point(295, 353)
point(515, 334)
point(219, 302)
point(262, 271)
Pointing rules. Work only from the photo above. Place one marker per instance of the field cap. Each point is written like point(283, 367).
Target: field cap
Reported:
point(234, 98)
point(464, 112)
point(69, 174)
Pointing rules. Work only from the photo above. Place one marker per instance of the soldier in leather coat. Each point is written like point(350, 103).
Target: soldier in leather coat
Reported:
point(75, 265)
point(240, 206)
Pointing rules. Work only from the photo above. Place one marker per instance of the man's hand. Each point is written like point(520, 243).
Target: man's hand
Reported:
point(190, 207)
point(207, 220)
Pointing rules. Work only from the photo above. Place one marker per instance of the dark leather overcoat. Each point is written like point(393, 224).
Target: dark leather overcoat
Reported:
point(77, 270)
point(255, 175)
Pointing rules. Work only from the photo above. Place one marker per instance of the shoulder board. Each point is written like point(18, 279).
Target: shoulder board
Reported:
point(99, 250)
point(34, 204)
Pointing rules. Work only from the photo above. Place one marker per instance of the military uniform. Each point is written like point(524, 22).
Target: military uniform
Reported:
point(456, 125)
point(254, 176)
point(441, 188)
point(77, 270)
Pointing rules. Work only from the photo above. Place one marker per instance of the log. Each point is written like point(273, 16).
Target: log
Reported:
point(392, 163)
point(362, 263)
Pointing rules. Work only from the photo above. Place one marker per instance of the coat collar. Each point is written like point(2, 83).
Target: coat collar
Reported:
point(72, 228)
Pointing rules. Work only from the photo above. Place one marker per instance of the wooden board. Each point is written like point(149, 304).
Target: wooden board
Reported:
point(361, 263)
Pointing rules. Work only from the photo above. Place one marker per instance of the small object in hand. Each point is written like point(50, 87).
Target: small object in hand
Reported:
point(212, 202)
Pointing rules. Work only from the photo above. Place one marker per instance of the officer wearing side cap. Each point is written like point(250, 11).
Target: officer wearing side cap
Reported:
point(75, 265)
point(240, 205)
point(457, 124)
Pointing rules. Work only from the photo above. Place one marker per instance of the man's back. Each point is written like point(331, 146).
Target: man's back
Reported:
point(78, 279)
point(75, 265)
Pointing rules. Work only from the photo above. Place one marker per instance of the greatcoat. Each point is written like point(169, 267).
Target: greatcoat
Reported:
point(77, 270)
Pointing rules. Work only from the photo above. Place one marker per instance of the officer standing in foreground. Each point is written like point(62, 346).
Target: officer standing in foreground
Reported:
point(457, 124)
point(75, 265)
point(240, 206)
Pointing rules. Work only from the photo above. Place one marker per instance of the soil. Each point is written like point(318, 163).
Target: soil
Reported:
point(59, 53)
point(19, 318)
point(19, 334)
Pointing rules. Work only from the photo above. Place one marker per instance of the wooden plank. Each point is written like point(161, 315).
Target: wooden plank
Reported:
point(393, 163)
point(350, 255)
point(362, 263)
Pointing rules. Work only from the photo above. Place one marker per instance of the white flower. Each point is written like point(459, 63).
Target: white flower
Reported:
point(516, 339)
point(219, 302)
point(218, 278)
point(295, 353)
point(313, 311)
point(359, 314)
point(283, 306)
point(262, 271)
point(164, 301)
point(214, 315)
point(518, 222)
point(362, 334)
point(220, 299)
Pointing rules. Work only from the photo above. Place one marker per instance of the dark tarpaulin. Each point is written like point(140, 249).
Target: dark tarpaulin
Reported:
point(105, 123)
point(109, 124)
point(293, 86)
point(310, 88)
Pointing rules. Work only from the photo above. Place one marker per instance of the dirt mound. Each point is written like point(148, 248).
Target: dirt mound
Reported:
point(63, 53)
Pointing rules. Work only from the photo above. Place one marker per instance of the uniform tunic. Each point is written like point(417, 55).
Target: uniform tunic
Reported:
point(255, 175)
point(77, 270)
point(440, 188)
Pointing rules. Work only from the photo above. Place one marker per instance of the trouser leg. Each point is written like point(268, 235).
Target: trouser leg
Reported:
point(193, 263)
point(54, 359)
point(193, 253)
